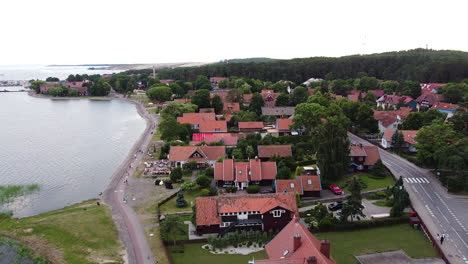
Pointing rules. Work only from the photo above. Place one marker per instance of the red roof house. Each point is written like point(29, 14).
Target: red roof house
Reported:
point(212, 126)
point(304, 185)
point(391, 119)
point(183, 101)
point(242, 174)
point(167, 81)
point(203, 155)
point(216, 80)
point(269, 97)
point(231, 107)
point(363, 157)
point(196, 118)
point(284, 125)
point(446, 107)
point(427, 100)
point(264, 212)
point(229, 139)
point(268, 151)
point(250, 126)
point(431, 87)
point(294, 244)
point(44, 88)
point(408, 137)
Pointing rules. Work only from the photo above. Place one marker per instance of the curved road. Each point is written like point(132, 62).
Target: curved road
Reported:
point(131, 231)
point(442, 212)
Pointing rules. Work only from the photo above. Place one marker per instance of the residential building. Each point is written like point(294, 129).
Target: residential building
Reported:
point(396, 101)
point(229, 108)
point(282, 111)
point(229, 139)
point(221, 93)
point(294, 244)
point(242, 174)
point(408, 136)
point(205, 156)
point(448, 108)
point(196, 118)
point(44, 88)
point(251, 126)
point(427, 100)
point(247, 98)
point(354, 95)
point(378, 93)
point(206, 110)
point(304, 185)
point(212, 126)
point(431, 87)
point(283, 125)
point(267, 151)
point(216, 80)
point(269, 97)
point(391, 119)
point(363, 157)
point(222, 214)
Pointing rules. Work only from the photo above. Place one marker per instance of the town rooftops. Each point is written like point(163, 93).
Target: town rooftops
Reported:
point(253, 170)
point(250, 125)
point(389, 117)
point(278, 111)
point(299, 185)
point(371, 153)
point(284, 124)
point(218, 79)
point(196, 118)
point(213, 126)
point(206, 110)
point(377, 93)
point(408, 135)
point(197, 153)
point(445, 106)
point(294, 244)
point(431, 87)
point(210, 208)
point(167, 81)
point(394, 99)
point(268, 151)
point(430, 98)
point(228, 139)
point(44, 88)
point(231, 107)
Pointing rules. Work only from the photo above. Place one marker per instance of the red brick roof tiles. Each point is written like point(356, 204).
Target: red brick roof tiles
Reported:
point(268, 151)
point(283, 124)
point(445, 106)
point(250, 125)
point(256, 170)
point(213, 126)
point(195, 118)
point(184, 153)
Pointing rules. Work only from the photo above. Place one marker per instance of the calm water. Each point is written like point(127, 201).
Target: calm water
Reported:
point(70, 148)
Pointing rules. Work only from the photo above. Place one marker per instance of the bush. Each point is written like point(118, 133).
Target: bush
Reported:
point(209, 172)
point(342, 226)
point(187, 186)
point(212, 191)
point(253, 189)
point(180, 201)
point(204, 193)
point(203, 181)
point(176, 174)
point(231, 189)
point(191, 165)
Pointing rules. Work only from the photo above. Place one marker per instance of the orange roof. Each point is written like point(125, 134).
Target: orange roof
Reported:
point(284, 123)
point(195, 118)
point(268, 151)
point(372, 155)
point(310, 182)
point(445, 106)
point(228, 170)
point(299, 185)
point(388, 134)
point(213, 126)
point(231, 107)
point(222, 94)
point(185, 153)
point(280, 250)
point(389, 117)
point(250, 125)
point(357, 151)
point(209, 208)
point(409, 136)
point(229, 139)
point(289, 186)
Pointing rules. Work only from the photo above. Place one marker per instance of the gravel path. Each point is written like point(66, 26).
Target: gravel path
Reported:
point(131, 231)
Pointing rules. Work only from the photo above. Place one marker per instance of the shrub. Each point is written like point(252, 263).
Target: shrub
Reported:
point(191, 165)
point(203, 181)
point(180, 201)
point(176, 174)
point(209, 172)
point(212, 191)
point(231, 189)
point(187, 186)
point(204, 192)
point(253, 189)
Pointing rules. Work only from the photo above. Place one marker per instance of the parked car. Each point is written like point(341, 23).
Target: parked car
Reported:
point(335, 206)
point(335, 189)
point(266, 191)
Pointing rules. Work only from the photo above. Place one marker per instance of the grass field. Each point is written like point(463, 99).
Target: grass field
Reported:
point(372, 183)
point(84, 233)
point(346, 244)
point(170, 206)
point(194, 253)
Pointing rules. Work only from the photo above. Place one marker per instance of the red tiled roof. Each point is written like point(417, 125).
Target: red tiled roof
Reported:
point(218, 79)
point(167, 81)
point(269, 97)
point(247, 98)
point(231, 107)
point(213, 126)
point(184, 153)
point(46, 86)
point(372, 155)
point(445, 106)
point(431, 87)
point(75, 85)
point(386, 117)
point(268, 151)
point(250, 125)
point(222, 94)
point(241, 171)
point(289, 186)
point(388, 134)
point(431, 98)
point(283, 124)
point(256, 170)
point(206, 110)
point(353, 97)
point(229, 139)
point(209, 208)
point(310, 182)
point(280, 250)
point(196, 118)
point(409, 136)
point(377, 93)
point(357, 151)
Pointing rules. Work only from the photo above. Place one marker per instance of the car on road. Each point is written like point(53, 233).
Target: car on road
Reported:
point(335, 206)
point(335, 189)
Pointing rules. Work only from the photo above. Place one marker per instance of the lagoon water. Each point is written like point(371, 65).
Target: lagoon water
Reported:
point(70, 148)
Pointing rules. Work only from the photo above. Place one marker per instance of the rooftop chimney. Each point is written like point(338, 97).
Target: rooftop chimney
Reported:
point(325, 248)
point(296, 242)
point(311, 260)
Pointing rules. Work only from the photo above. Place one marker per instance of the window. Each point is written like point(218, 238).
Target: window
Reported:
point(292, 185)
point(217, 129)
point(361, 158)
point(277, 213)
point(309, 182)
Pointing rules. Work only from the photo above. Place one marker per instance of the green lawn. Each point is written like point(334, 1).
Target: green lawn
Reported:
point(194, 253)
point(84, 232)
point(372, 183)
point(346, 244)
point(170, 206)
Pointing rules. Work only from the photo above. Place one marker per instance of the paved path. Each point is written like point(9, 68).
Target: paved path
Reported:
point(442, 212)
point(131, 231)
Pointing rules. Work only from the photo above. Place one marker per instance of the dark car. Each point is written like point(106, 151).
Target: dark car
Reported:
point(266, 191)
point(335, 206)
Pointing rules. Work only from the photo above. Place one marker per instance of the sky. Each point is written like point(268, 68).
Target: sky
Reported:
point(158, 31)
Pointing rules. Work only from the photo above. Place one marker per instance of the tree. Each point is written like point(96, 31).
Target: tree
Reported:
point(379, 170)
point(176, 109)
point(177, 90)
point(71, 78)
point(171, 227)
point(414, 121)
point(256, 104)
point(57, 91)
point(217, 104)
point(284, 173)
point(366, 83)
point(202, 82)
point(397, 141)
point(180, 201)
point(353, 207)
point(209, 172)
point(36, 85)
point(412, 88)
point(282, 99)
point(201, 98)
point(203, 181)
point(369, 99)
point(159, 93)
point(176, 174)
point(299, 95)
point(235, 96)
point(223, 84)
point(170, 129)
point(454, 92)
point(389, 87)
point(52, 79)
point(400, 199)
point(249, 152)
point(432, 138)
point(341, 87)
point(307, 116)
point(100, 88)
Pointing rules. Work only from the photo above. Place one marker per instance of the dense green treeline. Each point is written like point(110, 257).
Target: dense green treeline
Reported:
point(419, 64)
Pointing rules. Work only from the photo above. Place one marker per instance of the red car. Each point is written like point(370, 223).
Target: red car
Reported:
point(335, 189)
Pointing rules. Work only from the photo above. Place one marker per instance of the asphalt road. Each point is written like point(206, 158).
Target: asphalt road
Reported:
point(442, 212)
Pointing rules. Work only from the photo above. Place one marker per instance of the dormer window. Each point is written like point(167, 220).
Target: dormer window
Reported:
point(309, 182)
point(292, 185)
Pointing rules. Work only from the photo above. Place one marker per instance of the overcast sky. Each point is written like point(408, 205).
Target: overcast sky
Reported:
point(151, 31)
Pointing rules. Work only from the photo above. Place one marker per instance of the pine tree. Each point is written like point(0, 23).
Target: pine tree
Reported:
point(180, 201)
point(353, 207)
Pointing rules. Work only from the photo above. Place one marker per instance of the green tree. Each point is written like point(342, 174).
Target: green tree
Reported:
point(256, 104)
point(370, 99)
point(249, 152)
point(170, 129)
point(366, 83)
point(282, 99)
point(202, 82)
point(412, 88)
point(201, 98)
point(209, 172)
point(177, 90)
point(400, 199)
point(52, 79)
point(171, 227)
point(353, 207)
point(217, 104)
point(234, 96)
point(203, 181)
point(180, 201)
point(431, 139)
point(176, 109)
point(341, 87)
point(71, 78)
point(379, 170)
point(36, 85)
point(159, 93)
point(223, 84)
point(389, 87)
point(454, 92)
point(397, 141)
point(299, 95)
point(284, 173)
point(100, 88)
point(414, 121)
point(307, 116)
point(176, 174)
